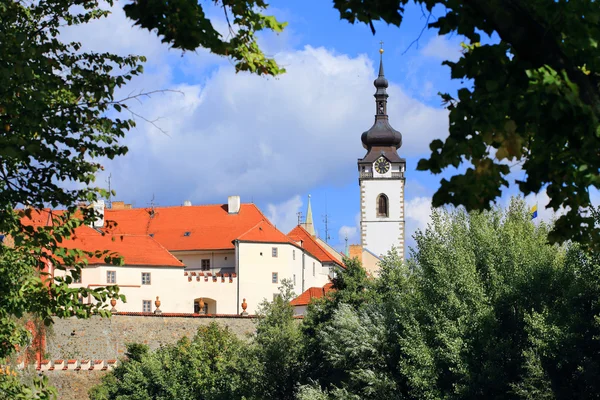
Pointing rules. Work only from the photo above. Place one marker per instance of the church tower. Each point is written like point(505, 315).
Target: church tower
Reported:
point(381, 179)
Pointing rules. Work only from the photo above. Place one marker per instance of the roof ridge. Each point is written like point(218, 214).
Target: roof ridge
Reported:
point(283, 235)
point(112, 234)
point(163, 247)
point(177, 206)
point(249, 230)
point(313, 240)
point(264, 217)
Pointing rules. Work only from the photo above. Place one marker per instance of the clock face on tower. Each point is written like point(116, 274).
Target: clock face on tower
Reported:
point(382, 165)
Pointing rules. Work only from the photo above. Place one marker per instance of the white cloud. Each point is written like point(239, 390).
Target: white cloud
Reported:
point(442, 48)
point(418, 211)
point(269, 138)
point(284, 215)
point(261, 138)
point(418, 215)
point(350, 232)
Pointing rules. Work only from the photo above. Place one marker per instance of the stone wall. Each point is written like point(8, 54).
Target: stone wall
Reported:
point(105, 338)
point(73, 385)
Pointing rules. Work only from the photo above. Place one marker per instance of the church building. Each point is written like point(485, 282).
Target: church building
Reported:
point(381, 179)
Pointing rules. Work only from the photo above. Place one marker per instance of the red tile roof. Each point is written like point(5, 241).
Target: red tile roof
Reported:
point(208, 227)
point(165, 229)
point(264, 232)
point(312, 246)
point(43, 217)
point(135, 249)
point(311, 293)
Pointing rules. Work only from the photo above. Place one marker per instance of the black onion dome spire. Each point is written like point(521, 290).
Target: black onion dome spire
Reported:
point(381, 133)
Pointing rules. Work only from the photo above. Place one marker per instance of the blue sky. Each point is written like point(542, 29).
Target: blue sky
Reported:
point(275, 140)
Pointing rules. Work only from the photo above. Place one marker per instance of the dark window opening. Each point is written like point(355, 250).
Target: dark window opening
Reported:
point(382, 206)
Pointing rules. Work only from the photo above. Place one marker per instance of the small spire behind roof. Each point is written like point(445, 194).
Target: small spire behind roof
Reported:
point(309, 224)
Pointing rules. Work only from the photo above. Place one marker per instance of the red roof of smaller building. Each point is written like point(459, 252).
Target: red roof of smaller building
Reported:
point(135, 249)
point(264, 232)
point(312, 246)
point(311, 293)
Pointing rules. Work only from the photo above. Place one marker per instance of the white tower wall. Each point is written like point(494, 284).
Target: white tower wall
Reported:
point(380, 234)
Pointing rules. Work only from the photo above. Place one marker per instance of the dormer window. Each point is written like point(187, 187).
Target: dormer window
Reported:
point(187, 233)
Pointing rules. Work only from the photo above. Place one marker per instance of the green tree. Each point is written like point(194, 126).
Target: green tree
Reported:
point(485, 308)
point(58, 116)
point(277, 345)
point(214, 365)
point(351, 287)
point(184, 25)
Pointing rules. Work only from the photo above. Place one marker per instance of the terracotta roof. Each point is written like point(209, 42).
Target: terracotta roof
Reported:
point(312, 246)
point(311, 293)
point(208, 227)
point(264, 232)
point(135, 249)
point(295, 238)
point(41, 217)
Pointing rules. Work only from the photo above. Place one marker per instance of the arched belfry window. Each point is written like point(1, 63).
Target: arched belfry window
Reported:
point(382, 206)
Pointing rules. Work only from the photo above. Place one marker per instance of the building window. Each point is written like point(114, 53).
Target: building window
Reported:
point(111, 277)
point(205, 265)
point(274, 251)
point(146, 278)
point(382, 206)
point(294, 279)
point(146, 305)
point(314, 269)
point(275, 277)
point(293, 254)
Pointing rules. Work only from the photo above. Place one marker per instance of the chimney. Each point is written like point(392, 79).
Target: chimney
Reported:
point(187, 203)
point(233, 204)
point(356, 250)
point(98, 207)
point(120, 205)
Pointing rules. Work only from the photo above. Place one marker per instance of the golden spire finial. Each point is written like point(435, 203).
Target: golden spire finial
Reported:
point(381, 48)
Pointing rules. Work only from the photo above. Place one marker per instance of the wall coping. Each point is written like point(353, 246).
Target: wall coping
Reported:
point(73, 365)
point(181, 315)
point(190, 315)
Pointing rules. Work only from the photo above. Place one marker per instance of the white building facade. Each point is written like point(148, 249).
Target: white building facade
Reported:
point(207, 259)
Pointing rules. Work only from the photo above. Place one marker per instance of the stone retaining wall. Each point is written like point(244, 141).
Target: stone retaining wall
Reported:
point(74, 385)
point(105, 338)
